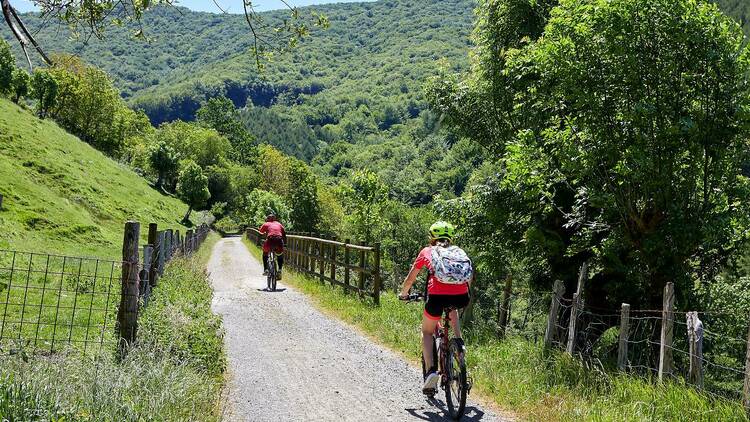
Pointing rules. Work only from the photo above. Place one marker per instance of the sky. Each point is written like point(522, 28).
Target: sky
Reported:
point(231, 6)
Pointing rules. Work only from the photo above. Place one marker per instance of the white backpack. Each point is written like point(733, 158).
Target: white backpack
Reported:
point(451, 265)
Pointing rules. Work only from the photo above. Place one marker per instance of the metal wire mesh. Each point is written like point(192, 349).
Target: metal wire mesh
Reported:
point(48, 302)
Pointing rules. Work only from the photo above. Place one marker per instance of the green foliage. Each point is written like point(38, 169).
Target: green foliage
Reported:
point(221, 115)
point(364, 200)
point(611, 147)
point(7, 66)
point(165, 161)
point(203, 145)
point(192, 186)
point(44, 87)
point(179, 322)
point(20, 84)
point(260, 203)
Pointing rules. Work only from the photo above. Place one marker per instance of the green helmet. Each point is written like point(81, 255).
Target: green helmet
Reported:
point(442, 230)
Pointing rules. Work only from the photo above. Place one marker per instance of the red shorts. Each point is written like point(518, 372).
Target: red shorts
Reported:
point(274, 243)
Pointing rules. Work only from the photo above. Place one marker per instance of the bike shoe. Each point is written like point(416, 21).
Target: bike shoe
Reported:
point(431, 383)
point(265, 273)
point(278, 275)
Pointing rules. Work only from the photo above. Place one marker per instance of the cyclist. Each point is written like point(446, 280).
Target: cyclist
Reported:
point(440, 295)
point(275, 240)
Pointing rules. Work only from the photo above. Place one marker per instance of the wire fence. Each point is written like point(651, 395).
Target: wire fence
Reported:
point(53, 302)
point(693, 348)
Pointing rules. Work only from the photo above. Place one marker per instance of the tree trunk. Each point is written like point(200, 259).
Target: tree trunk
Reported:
point(187, 216)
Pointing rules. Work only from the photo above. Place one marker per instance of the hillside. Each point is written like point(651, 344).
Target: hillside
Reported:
point(62, 195)
point(374, 54)
point(739, 9)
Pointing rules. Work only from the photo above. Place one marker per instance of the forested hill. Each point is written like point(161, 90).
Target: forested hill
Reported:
point(739, 9)
point(374, 53)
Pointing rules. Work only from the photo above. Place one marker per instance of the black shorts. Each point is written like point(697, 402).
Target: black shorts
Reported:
point(436, 304)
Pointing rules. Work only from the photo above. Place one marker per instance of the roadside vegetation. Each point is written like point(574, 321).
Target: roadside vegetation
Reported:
point(174, 373)
point(516, 374)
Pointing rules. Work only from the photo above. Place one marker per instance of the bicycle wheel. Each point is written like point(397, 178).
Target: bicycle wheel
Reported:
point(271, 274)
point(456, 388)
point(274, 278)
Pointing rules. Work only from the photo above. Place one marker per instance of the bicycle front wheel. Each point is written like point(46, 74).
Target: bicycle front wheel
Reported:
point(456, 388)
point(271, 278)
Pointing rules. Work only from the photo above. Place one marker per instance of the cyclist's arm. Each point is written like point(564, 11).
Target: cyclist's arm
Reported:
point(409, 280)
point(263, 229)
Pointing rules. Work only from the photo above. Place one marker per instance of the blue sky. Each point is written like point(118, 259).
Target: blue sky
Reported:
point(231, 6)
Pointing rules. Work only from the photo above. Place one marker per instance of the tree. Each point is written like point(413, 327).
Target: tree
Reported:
point(203, 145)
point(365, 199)
point(220, 114)
point(620, 135)
point(44, 88)
point(259, 203)
point(7, 65)
point(165, 161)
point(192, 187)
point(20, 84)
point(304, 197)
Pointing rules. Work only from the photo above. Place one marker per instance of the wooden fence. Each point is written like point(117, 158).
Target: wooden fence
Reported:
point(143, 265)
point(354, 267)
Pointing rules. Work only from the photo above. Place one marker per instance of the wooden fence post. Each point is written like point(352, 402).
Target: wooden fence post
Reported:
point(746, 387)
point(362, 274)
point(1, 202)
point(504, 314)
point(127, 314)
point(162, 253)
point(153, 239)
point(321, 259)
point(168, 245)
point(334, 248)
point(667, 330)
point(376, 280)
point(189, 242)
point(148, 251)
point(576, 307)
point(347, 263)
point(550, 334)
point(622, 347)
point(695, 339)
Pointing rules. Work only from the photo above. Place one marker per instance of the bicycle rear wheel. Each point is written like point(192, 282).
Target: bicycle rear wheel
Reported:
point(271, 278)
point(456, 388)
point(275, 277)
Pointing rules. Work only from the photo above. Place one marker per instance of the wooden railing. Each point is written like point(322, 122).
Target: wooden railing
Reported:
point(353, 267)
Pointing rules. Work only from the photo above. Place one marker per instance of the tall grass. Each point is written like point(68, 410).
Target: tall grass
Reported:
point(518, 375)
point(174, 374)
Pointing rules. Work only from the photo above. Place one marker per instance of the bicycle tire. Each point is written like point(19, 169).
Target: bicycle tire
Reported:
point(274, 279)
point(271, 276)
point(456, 387)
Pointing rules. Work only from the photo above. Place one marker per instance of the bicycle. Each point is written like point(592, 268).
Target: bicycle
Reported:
point(450, 355)
point(272, 272)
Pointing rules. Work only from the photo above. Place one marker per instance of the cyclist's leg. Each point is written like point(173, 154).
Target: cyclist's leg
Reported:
point(458, 302)
point(280, 260)
point(428, 342)
point(266, 250)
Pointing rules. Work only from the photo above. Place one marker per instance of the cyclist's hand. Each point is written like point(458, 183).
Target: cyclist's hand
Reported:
point(403, 297)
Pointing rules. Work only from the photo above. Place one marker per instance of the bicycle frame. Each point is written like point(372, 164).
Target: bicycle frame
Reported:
point(443, 335)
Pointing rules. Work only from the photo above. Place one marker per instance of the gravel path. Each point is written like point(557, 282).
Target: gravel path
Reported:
point(289, 362)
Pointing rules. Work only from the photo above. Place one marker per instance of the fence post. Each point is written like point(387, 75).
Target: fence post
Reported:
point(550, 334)
point(695, 339)
point(146, 272)
point(333, 261)
point(1, 202)
point(667, 330)
point(321, 259)
point(189, 242)
point(362, 274)
point(504, 314)
point(162, 252)
point(622, 347)
point(127, 314)
point(576, 307)
point(347, 273)
point(376, 280)
point(168, 245)
point(153, 239)
point(746, 387)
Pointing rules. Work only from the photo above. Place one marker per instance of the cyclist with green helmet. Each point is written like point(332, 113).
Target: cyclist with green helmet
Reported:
point(441, 294)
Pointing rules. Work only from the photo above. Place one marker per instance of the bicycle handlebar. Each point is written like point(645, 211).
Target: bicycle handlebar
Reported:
point(414, 297)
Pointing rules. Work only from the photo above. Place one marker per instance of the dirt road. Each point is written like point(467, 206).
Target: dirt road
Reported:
point(289, 362)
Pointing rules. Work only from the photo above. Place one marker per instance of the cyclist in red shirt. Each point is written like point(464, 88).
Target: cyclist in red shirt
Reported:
point(275, 240)
point(439, 296)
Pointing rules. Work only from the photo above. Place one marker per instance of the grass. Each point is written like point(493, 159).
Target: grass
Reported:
point(63, 196)
point(517, 375)
point(175, 374)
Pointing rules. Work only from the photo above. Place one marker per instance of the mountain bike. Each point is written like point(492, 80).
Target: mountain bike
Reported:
point(272, 272)
point(450, 355)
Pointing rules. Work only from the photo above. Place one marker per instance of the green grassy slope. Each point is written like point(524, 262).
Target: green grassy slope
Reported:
point(63, 196)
